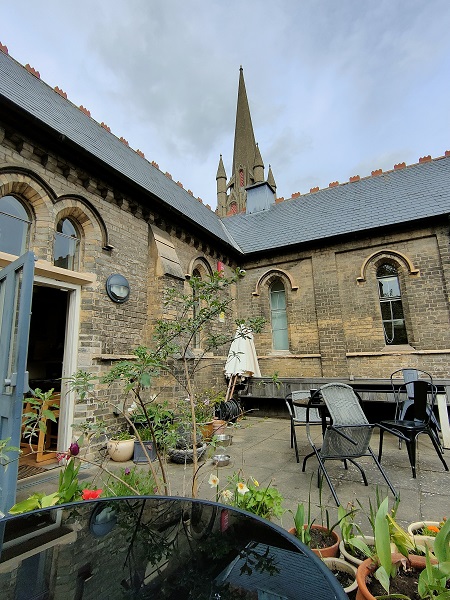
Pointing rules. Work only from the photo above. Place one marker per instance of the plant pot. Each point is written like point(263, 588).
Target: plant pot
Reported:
point(219, 427)
point(327, 552)
point(338, 564)
point(120, 450)
point(181, 457)
point(139, 455)
point(419, 539)
point(207, 430)
point(348, 556)
point(367, 568)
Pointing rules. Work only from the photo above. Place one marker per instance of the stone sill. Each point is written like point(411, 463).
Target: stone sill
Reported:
point(397, 352)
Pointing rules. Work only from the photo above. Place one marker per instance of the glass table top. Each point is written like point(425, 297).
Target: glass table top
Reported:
point(156, 547)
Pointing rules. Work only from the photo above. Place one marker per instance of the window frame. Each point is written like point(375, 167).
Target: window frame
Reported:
point(277, 312)
point(393, 303)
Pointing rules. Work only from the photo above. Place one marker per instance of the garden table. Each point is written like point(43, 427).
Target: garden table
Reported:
point(156, 547)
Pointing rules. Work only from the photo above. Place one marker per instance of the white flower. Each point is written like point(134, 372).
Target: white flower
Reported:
point(227, 495)
point(213, 480)
point(133, 407)
point(242, 488)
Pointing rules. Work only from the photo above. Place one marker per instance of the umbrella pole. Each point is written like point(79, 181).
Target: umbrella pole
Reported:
point(227, 397)
point(234, 385)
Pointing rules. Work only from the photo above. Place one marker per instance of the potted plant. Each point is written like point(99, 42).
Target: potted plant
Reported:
point(206, 404)
point(121, 446)
point(383, 572)
point(354, 547)
point(344, 571)
point(323, 540)
point(424, 532)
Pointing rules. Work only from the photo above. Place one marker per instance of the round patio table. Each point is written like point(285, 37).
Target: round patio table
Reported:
point(156, 547)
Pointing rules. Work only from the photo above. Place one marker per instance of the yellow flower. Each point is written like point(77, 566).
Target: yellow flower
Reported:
point(255, 482)
point(242, 488)
point(213, 480)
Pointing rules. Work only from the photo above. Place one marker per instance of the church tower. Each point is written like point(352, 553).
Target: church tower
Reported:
point(248, 165)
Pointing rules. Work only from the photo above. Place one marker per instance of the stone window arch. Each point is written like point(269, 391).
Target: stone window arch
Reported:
point(200, 269)
point(278, 314)
point(15, 223)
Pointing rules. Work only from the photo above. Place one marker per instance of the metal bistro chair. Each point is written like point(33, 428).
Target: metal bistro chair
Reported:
point(297, 415)
point(407, 388)
point(424, 395)
point(348, 435)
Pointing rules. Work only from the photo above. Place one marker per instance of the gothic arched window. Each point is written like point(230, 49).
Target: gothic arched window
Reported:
point(66, 245)
point(14, 226)
point(280, 338)
point(196, 309)
point(391, 304)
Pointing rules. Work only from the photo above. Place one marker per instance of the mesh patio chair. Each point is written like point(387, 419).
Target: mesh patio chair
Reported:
point(424, 395)
point(348, 435)
point(297, 415)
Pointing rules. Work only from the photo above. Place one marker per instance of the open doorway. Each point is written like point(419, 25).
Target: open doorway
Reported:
point(45, 364)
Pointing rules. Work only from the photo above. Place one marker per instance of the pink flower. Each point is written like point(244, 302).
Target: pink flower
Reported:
point(127, 471)
point(91, 494)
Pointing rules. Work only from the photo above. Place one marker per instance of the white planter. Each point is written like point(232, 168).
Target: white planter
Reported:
point(121, 450)
point(338, 564)
point(368, 539)
point(422, 540)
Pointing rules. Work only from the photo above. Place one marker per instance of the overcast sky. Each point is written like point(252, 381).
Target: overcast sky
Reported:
point(336, 87)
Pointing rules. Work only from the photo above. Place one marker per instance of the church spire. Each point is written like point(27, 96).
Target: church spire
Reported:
point(244, 138)
point(271, 179)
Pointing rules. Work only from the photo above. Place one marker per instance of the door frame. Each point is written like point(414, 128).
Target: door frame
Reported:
point(70, 356)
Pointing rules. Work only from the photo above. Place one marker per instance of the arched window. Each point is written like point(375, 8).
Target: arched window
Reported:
point(280, 339)
point(66, 245)
point(14, 226)
point(391, 304)
point(196, 309)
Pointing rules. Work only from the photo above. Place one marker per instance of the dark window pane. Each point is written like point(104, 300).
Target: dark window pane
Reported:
point(397, 309)
point(65, 247)
point(386, 311)
point(400, 333)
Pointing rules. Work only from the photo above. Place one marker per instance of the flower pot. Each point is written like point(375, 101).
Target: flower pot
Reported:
point(120, 450)
point(139, 455)
point(338, 564)
point(207, 430)
point(219, 427)
point(181, 457)
point(368, 567)
point(348, 556)
point(419, 539)
point(327, 552)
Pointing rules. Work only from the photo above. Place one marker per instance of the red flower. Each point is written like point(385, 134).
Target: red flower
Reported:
point(91, 494)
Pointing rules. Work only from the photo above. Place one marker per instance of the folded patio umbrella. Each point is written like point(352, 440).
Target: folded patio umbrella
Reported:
point(242, 359)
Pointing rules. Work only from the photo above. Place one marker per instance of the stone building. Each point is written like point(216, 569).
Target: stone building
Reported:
point(353, 279)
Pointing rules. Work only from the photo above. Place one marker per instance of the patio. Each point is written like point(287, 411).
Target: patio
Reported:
point(261, 448)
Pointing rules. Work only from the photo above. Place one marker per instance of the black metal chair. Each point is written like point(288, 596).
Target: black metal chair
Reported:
point(407, 388)
point(297, 415)
point(424, 395)
point(348, 435)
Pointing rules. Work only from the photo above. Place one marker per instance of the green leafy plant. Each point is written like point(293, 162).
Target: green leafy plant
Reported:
point(122, 436)
point(40, 409)
point(248, 495)
point(5, 450)
point(140, 480)
point(434, 578)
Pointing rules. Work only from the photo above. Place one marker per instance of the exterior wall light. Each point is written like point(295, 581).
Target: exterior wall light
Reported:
point(118, 288)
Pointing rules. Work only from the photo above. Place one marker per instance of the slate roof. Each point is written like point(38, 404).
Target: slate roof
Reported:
point(395, 197)
point(42, 102)
point(392, 198)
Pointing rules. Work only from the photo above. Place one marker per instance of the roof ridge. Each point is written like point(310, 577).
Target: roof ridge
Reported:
point(87, 113)
point(374, 173)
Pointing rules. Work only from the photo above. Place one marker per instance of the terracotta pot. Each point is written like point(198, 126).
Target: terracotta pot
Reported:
point(419, 539)
point(330, 551)
point(339, 564)
point(367, 567)
point(219, 427)
point(207, 430)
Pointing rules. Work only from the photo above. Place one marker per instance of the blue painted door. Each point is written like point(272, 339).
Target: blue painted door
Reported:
point(16, 290)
